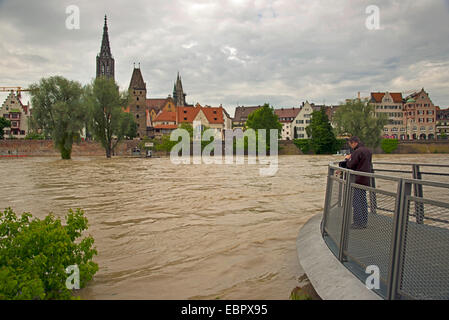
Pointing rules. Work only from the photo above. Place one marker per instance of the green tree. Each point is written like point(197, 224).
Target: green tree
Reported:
point(264, 118)
point(358, 118)
point(34, 255)
point(320, 132)
point(4, 123)
point(109, 124)
point(132, 130)
point(389, 145)
point(58, 111)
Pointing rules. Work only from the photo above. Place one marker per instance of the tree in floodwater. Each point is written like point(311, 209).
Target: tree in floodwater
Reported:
point(58, 111)
point(108, 122)
point(358, 118)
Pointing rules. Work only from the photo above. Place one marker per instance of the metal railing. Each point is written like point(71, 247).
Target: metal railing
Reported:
point(399, 223)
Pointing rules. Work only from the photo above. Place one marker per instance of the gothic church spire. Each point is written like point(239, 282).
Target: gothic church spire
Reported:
point(105, 61)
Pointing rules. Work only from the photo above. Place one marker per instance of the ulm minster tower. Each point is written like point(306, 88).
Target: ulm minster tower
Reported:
point(105, 61)
point(144, 110)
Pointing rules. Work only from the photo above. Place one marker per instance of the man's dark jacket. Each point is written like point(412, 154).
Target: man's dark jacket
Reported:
point(361, 160)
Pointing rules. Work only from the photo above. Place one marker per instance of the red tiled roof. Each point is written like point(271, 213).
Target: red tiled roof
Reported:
point(241, 113)
point(397, 97)
point(214, 115)
point(166, 116)
point(378, 96)
point(187, 114)
point(286, 113)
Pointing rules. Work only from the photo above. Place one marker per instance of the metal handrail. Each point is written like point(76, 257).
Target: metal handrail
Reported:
point(400, 215)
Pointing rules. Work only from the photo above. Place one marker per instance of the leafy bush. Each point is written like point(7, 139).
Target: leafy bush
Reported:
point(35, 136)
point(389, 145)
point(303, 144)
point(34, 254)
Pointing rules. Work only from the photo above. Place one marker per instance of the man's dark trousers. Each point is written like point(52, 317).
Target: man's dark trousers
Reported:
point(360, 206)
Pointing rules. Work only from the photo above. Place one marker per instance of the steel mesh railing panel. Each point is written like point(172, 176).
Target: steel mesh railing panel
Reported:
point(334, 218)
point(371, 246)
point(400, 224)
point(425, 269)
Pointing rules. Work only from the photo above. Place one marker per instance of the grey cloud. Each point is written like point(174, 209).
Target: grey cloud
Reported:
point(283, 51)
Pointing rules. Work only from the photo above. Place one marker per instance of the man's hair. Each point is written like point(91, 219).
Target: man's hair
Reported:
point(354, 140)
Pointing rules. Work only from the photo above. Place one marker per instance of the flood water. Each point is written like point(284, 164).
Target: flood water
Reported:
point(166, 231)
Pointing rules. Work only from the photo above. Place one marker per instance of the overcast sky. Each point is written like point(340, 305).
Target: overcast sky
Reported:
point(236, 52)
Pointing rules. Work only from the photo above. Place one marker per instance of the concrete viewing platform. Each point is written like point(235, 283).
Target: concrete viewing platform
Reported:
point(330, 279)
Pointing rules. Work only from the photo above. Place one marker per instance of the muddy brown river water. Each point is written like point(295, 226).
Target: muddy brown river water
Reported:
point(167, 231)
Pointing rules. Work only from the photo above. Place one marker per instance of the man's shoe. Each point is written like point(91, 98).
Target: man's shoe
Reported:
point(357, 227)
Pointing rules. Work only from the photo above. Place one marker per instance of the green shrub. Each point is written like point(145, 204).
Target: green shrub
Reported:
point(389, 145)
point(34, 255)
point(303, 144)
point(35, 136)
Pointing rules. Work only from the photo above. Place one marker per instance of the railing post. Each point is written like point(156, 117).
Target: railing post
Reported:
point(373, 195)
point(327, 198)
point(398, 240)
point(418, 189)
point(347, 206)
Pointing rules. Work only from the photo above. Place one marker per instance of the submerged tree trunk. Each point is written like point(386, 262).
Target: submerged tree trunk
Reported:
point(109, 150)
point(66, 152)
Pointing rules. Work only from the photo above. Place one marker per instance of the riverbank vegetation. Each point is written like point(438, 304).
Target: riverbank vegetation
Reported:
point(358, 118)
point(263, 118)
point(4, 123)
point(63, 109)
point(106, 118)
point(322, 138)
point(389, 145)
point(34, 255)
point(58, 111)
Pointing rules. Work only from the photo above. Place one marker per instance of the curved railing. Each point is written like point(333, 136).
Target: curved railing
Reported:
point(406, 239)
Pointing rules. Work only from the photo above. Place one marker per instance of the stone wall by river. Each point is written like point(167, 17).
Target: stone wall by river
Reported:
point(90, 148)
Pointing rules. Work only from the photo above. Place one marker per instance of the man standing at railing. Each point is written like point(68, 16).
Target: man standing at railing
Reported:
point(360, 160)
